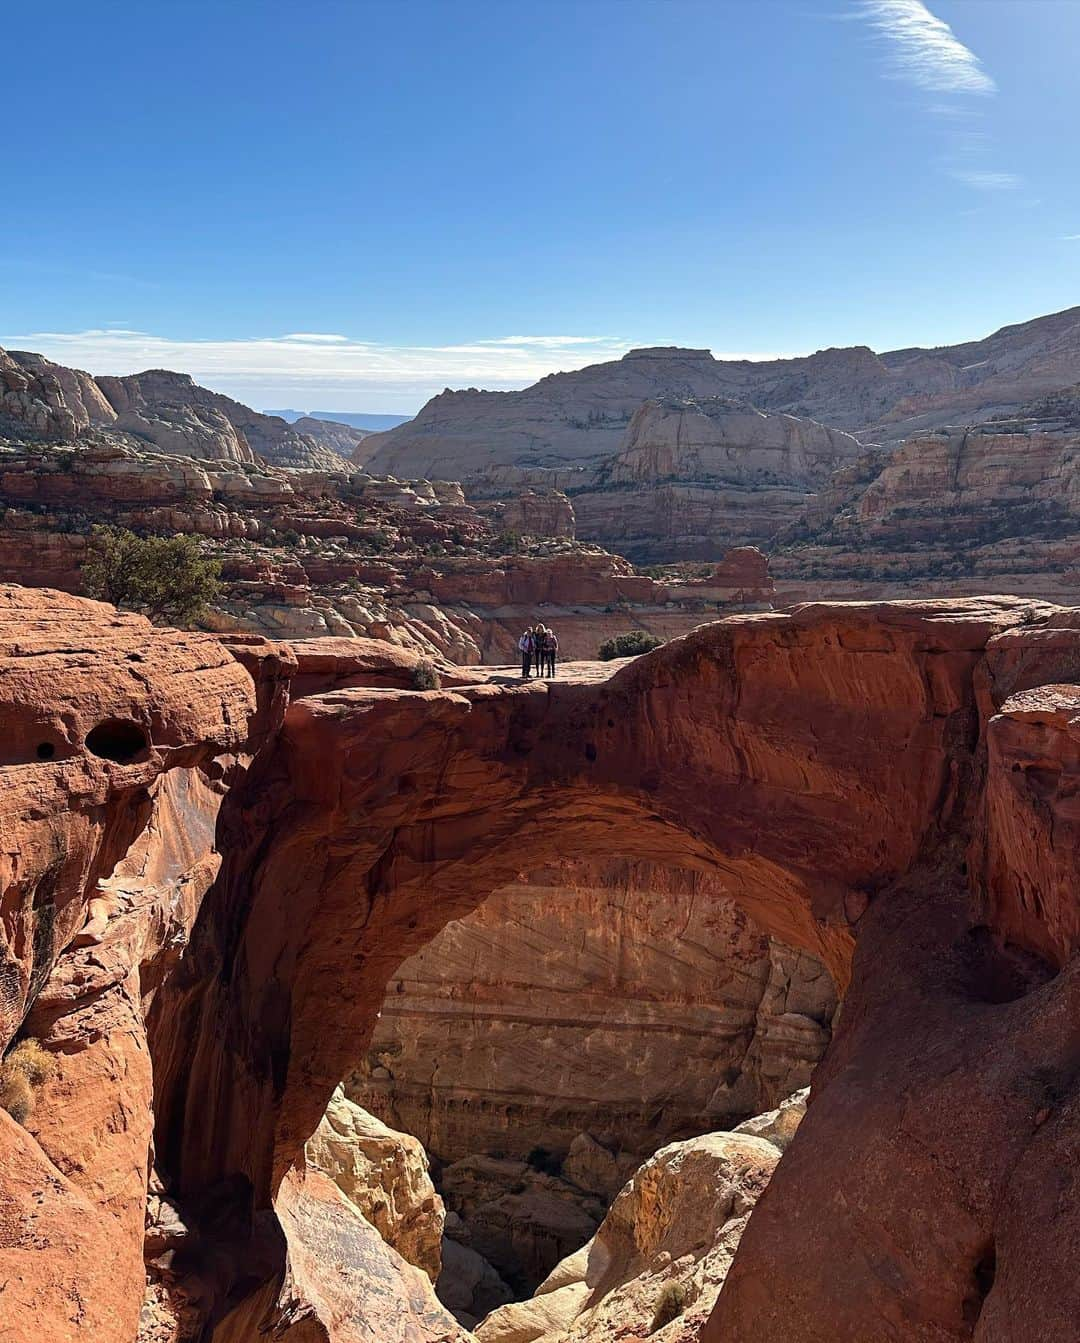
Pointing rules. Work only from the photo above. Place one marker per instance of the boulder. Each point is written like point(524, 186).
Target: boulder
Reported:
point(385, 1174)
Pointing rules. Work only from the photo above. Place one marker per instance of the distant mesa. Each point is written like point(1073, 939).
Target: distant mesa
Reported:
point(372, 423)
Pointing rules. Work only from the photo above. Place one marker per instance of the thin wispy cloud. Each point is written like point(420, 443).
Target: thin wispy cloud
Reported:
point(987, 181)
point(1070, 237)
point(319, 369)
point(920, 49)
point(924, 50)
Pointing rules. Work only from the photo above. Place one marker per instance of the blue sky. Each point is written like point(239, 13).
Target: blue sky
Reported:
point(350, 205)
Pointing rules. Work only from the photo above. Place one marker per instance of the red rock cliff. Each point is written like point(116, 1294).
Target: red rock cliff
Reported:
point(206, 892)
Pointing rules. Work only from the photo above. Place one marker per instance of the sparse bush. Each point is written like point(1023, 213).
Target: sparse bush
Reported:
point(672, 1302)
point(628, 645)
point(164, 577)
point(27, 1067)
point(543, 1160)
point(425, 676)
point(508, 543)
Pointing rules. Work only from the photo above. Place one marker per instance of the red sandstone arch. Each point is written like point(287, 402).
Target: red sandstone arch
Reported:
point(832, 764)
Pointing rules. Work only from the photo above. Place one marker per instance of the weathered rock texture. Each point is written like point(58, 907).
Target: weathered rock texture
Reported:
point(309, 554)
point(568, 420)
point(342, 1283)
point(385, 1174)
point(887, 786)
point(692, 475)
point(665, 457)
point(630, 1003)
point(169, 410)
point(659, 1259)
point(995, 507)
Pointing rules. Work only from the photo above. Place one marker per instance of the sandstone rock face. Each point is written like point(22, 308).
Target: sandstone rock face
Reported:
point(660, 1257)
point(167, 409)
point(344, 439)
point(385, 1175)
point(996, 506)
point(179, 416)
point(579, 418)
point(112, 780)
point(266, 864)
point(342, 1282)
point(694, 477)
point(628, 1003)
point(522, 1221)
point(539, 513)
point(49, 399)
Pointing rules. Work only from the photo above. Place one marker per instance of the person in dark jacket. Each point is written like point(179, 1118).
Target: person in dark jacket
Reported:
point(526, 647)
point(551, 648)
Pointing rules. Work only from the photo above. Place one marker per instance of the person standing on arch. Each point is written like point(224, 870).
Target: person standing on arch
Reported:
point(551, 648)
point(526, 648)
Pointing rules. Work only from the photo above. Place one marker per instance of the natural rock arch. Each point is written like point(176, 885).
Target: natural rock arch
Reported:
point(850, 770)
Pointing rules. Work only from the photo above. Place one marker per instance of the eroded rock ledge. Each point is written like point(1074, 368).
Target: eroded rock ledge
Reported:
point(208, 882)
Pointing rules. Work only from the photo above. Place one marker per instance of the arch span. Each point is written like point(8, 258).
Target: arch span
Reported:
point(808, 759)
point(889, 785)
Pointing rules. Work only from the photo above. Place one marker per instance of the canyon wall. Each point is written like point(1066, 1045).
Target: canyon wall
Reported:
point(633, 1004)
point(688, 473)
point(169, 411)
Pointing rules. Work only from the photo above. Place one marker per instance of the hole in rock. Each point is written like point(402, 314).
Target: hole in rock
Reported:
point(45, 750)
point(548, 1045)
point(983, 1274)
point(117, 739)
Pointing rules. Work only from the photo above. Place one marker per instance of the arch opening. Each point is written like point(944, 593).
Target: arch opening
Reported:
point(544, 1047)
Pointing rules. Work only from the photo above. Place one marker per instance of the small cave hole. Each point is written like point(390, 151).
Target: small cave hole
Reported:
point(45, 750)
point(590, 751)
point(117, 739)
point(984, 1273)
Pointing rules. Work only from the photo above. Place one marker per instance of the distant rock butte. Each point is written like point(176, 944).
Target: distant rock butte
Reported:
point(169, 410)
point(569, 420)
point(661, 464)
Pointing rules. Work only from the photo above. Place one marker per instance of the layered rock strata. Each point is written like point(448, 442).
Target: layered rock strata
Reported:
point(620, 1006)
point(694, 476)
point(995, 507)
point(317, 553)
point(572, 419)
point(168, 410)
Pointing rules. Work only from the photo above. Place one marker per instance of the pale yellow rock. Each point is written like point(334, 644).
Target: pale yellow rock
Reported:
point(385, 1175)
point(658, 1261)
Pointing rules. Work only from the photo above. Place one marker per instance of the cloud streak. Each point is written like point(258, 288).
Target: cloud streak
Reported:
point(923, 49)
point(306, 369)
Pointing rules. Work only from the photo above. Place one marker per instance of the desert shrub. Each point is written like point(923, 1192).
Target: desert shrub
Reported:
point(165, 577)
point(542, 1160)
point(672, 1302)
point(425, 676)
point(508, 543)
point(628, 645)
point(26, 1067)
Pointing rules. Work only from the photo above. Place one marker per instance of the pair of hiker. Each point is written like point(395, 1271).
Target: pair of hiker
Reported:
point(538, 647)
